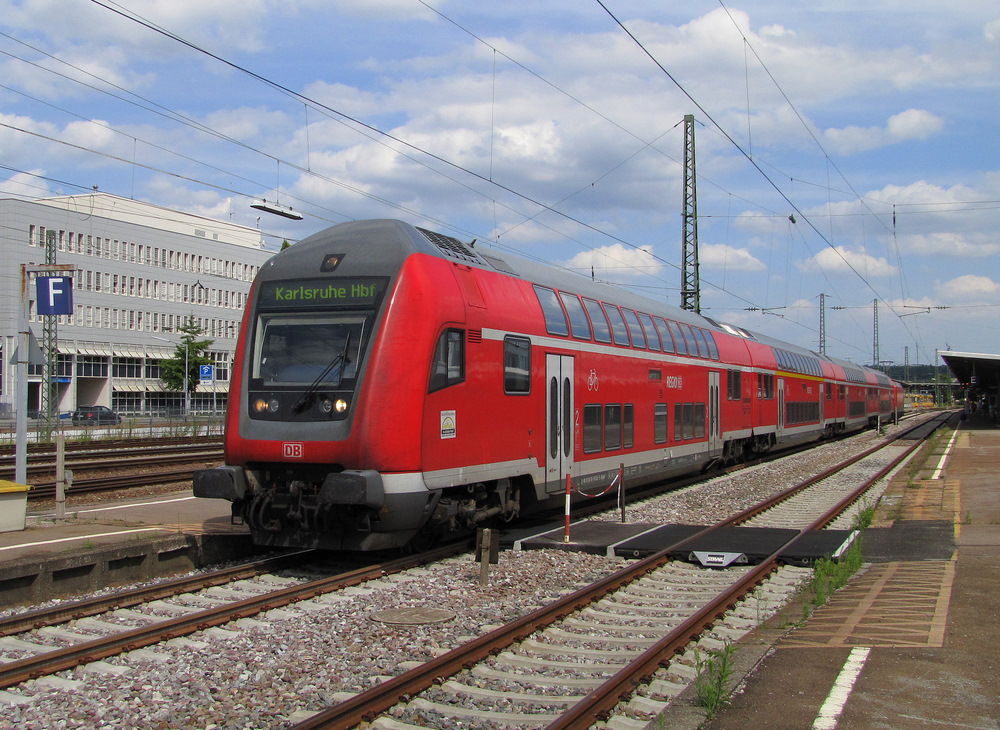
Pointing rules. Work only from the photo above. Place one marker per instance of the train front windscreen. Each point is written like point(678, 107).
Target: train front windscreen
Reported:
point(306, 355)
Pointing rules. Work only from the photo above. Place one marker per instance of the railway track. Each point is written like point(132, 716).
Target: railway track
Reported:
point(594, 633)
point(109, 465)
point(627, 627)
point(250, 589)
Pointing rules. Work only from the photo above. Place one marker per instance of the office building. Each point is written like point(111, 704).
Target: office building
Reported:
point(139, 272)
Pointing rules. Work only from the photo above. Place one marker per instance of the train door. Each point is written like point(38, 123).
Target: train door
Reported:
point(781, 408)
point(558, 421)
point(714, 440)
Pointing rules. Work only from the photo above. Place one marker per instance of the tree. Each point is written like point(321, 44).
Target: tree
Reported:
point(190, 350)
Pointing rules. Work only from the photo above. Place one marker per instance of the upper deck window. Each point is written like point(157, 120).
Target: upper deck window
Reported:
point(694, 348)
point(665, 337)
point(578, 322)
point(555, 317)
point(618, 328)
point(679, 342)
point(699, 335)
point(712, 347)
point(634, 328)
point(602, 331)
point(651, 335)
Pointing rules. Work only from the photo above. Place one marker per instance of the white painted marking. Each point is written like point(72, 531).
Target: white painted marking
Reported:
point(123, 506)
point(944, 456)
point(831, 710)
point(87, 537)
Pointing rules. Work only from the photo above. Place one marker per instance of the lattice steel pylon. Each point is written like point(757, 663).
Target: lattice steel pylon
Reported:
point(48, 396)
point(690, 282)
point(875, 353)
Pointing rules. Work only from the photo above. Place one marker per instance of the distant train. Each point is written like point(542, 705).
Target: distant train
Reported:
point(919, 401)
point(391, 382)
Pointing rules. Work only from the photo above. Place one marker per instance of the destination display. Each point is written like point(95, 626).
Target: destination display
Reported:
point(353, 292)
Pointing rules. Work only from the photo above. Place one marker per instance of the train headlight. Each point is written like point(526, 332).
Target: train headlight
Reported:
point(340, 405)
point(325, 405)
point(263, 405)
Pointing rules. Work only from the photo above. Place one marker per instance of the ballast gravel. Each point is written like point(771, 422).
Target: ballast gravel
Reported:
point(278, 668)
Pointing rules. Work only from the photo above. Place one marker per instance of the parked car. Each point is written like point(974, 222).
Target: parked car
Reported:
point(95, 416)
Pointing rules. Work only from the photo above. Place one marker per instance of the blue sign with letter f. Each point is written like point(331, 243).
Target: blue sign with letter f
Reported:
point(54, 294)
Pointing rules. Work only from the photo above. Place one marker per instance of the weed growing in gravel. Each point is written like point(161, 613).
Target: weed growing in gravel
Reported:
point(712, 683)
point(832, 575)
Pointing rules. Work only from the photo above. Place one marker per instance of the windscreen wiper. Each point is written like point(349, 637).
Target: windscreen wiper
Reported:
point(310, 393)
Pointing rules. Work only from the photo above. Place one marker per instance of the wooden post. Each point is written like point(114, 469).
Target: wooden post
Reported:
point(621, 489)
point(485, 545)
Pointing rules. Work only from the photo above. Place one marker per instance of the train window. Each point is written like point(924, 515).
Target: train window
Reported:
point(678, 421)
point(699, 420)
point(602, 331)
point(734, 391)
point(555, 317)
point(628, 426)
point(612, 427)
point(694, 347)
point(665, 337)
point(516, 365)
point(618, 328)
point(634, 329)
point(689, 421)
point(448, 366)
point(765, 386)
point(679, 343)
point(554, 417)
point(578, 323)
point(567, 419)
point(592, 433)
point(308, 350)
point(699, 336)
point(660, 423)
point(713, 349)
point(651, 334)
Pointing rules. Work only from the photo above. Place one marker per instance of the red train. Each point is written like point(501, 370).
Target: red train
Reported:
point(391, 382)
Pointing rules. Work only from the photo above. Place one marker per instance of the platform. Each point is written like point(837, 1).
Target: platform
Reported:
point(919, 624)
point(114, 543)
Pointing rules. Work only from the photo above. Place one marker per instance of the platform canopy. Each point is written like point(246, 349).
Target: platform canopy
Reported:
point(973, 370)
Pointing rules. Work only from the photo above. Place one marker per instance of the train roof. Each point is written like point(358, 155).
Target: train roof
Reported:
point(393, 240)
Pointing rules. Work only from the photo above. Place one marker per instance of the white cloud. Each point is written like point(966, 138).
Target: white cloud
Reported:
point(841, 260)
point(946, 243)
point(616, 261)
point(912, 124)
point(27, 184)
point(723, 256)
point(968, 287)
point(991, 31)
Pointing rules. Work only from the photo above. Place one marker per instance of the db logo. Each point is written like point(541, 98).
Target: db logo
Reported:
point(291, 450)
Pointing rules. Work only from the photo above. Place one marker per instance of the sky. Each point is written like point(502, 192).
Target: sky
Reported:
point(844, 149)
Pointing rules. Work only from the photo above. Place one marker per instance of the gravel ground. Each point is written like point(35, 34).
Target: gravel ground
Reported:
point(260, 673)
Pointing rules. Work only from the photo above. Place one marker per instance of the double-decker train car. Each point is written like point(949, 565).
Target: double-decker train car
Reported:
point(391, 382)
